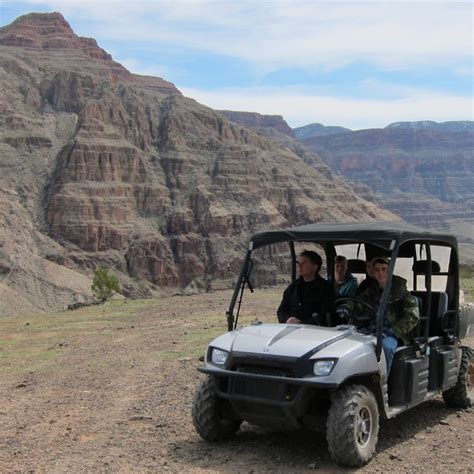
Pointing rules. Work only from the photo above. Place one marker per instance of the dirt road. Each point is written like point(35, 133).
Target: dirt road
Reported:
point(109, 389)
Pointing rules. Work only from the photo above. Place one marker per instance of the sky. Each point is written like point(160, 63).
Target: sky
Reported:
point(348, 63)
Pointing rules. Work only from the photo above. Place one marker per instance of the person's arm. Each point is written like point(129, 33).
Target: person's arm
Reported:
point(410, 316)
point(353, 308)
point(352, 290)
point(283, 311)
point(330, 296)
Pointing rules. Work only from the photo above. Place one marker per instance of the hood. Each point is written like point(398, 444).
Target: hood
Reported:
point(290, 340)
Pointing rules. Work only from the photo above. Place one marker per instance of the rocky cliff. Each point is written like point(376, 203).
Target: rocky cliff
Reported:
point(101, 166)
point(267, 126)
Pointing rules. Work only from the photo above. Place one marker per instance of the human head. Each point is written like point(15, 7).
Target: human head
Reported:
point(340, 268)
point(380, 269)
point(370, 269)
point(309, 264)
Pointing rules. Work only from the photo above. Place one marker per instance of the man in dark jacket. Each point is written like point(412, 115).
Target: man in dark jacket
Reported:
point(308, 299)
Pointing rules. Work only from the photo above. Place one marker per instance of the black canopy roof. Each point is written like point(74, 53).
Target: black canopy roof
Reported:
point(372, 232)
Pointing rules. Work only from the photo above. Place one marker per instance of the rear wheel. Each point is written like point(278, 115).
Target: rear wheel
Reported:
point(462, 394)
point(353, 426)
point(212, 416)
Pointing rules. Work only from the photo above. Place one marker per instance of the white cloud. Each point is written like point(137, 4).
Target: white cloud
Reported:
point(464, 71)
point(316, 35)
point(300, 108)
point(277, 34)
point(157, 70)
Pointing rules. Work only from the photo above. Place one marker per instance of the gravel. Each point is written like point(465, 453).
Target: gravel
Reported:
point(120, 401)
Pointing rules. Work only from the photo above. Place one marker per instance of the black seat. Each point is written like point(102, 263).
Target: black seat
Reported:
point(439, 300)
point(439, 306)
point(421, 267)
point(356, 265)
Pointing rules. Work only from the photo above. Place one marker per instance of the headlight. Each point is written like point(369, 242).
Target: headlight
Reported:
point(218, 356)
point(323, 367)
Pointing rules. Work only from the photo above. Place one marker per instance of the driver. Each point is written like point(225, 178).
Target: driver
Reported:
point(401, 314)
point(308, 299)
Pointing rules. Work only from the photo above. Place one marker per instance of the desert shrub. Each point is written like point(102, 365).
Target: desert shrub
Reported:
point(104, 284)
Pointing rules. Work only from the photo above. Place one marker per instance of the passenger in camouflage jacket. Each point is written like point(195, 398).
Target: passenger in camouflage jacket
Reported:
point(401, 314)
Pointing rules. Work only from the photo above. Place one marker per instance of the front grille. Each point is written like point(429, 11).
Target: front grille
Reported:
point(262, 389)
point(249, 369)
point(257, 389)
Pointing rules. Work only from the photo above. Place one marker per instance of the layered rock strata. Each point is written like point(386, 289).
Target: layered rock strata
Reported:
point(422, 171)
point(106, 167)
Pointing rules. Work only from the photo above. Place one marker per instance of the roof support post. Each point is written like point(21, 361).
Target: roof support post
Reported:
point(235, 294)
point(293, 260)
point(384, 300)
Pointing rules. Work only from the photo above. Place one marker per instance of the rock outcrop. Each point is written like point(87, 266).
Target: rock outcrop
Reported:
point(258, 121)
point(100, 166)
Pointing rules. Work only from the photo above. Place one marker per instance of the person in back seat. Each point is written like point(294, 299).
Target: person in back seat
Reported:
point(401, 314)
point(345, 283)
point(309, 298)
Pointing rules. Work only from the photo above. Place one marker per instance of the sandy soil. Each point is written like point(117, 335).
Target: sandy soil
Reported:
point(115, 396)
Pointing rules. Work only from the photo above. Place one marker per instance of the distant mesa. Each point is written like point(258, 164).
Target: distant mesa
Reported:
point(317, 130)
point(453, 126)
point(423, 171)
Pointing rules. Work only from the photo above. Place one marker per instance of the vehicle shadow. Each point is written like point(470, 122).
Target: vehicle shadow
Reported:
point(256, 450)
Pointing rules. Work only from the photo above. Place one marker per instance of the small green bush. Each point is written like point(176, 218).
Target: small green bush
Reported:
point(104, 284)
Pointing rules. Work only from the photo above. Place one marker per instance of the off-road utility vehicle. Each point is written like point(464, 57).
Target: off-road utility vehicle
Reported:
point(287, 375)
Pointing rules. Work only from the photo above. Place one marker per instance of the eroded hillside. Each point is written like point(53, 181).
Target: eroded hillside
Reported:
point(101, 166)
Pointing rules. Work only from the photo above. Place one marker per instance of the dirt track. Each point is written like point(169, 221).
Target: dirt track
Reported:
point(115, 396)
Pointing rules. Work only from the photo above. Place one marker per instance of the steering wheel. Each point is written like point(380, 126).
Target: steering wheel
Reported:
point(357, 321)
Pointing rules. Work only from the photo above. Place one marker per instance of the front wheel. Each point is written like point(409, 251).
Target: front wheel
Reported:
point(352, 426)
point(212, 416)
point(461, 395)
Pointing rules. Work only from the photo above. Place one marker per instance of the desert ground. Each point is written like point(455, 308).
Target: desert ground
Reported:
point(109, 389)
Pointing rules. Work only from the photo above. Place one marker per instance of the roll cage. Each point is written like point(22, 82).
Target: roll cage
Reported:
point(389, 239)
